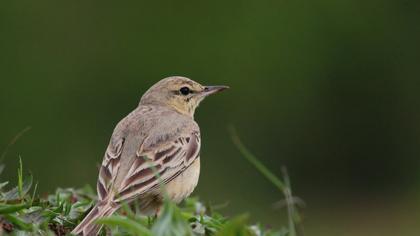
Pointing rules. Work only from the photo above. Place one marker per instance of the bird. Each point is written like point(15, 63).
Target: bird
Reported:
point(153, 152)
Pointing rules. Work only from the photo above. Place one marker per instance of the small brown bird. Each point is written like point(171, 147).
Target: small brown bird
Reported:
point(159, 135)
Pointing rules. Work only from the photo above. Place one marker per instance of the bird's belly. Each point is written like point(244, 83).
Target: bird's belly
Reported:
point(183, 185)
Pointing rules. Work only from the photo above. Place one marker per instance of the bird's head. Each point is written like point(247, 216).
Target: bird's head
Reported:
point(180, 93)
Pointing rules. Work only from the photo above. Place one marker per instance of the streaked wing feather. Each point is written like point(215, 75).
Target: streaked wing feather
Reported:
point(168, 161)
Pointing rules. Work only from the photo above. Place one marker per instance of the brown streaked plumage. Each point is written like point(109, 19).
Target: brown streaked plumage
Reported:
point(160, 134)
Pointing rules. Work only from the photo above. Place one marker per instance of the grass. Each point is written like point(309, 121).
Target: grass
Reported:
point(24, 212)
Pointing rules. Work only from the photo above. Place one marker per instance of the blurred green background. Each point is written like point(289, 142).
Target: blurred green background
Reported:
point(329, 89)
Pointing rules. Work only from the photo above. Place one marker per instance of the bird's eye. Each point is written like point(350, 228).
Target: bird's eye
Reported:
point(185, 91)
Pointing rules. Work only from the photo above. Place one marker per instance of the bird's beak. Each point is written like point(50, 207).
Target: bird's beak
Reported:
point(208, 90)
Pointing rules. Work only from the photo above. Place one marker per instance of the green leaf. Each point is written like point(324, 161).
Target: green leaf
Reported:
point(235, 227)
point(171, 222)
point(126, 223)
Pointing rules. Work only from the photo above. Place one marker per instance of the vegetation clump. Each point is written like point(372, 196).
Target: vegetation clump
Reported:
point(24, 212)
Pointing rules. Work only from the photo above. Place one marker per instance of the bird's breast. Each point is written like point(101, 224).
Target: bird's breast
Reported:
point(183, 185)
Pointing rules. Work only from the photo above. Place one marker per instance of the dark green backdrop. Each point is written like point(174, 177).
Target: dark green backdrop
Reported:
point(329, 89)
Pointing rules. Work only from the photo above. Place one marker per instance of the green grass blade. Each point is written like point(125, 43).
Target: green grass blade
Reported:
point(284, 187)
point(33, 194)
point(20, 178)
point(7, 209)
point(255, 162)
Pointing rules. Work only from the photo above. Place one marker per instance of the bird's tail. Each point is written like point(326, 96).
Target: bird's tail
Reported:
point(88, 226)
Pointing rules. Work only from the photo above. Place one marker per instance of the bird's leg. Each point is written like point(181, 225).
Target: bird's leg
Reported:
point(157, 212)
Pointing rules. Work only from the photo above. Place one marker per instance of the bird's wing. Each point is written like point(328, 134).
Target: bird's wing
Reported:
point(162, 162)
